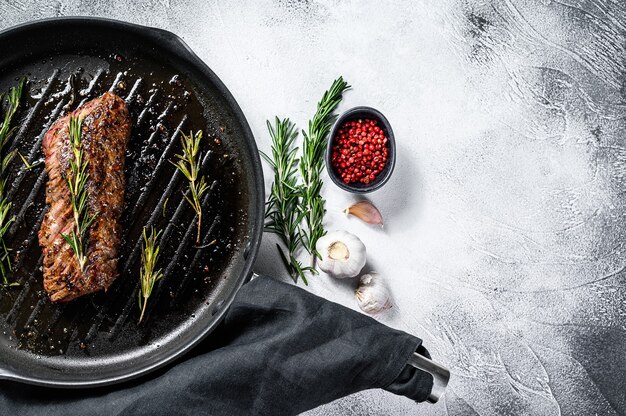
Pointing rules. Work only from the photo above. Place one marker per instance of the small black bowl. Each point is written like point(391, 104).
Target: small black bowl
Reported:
point(357, 113)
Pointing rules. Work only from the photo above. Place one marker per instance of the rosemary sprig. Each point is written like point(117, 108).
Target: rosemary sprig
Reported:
point(6, 132)
point(282, 213)
point(189, 165)
point(314, 146)
point(149, 274)
point(77, 184)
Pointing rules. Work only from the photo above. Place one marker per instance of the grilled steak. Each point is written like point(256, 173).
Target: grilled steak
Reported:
point(105, 133)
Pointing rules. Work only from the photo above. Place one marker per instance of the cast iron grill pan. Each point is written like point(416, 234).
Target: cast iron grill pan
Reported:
point(96, 339)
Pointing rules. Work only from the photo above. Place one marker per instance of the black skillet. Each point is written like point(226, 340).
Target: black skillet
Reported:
point(96, 340)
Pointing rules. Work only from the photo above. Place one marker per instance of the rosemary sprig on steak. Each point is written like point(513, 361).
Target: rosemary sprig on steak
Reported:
point(6, 132)
point(149, 274)
point(189, 165)
point(77, 184)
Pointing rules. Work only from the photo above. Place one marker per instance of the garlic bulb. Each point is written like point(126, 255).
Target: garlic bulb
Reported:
point(343, 254)
point(372, 295)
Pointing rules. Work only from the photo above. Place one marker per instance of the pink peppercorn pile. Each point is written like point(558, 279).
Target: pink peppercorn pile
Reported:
point(359, 151)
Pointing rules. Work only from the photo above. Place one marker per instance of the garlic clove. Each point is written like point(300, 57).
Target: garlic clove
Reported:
point(366, 211)
point(372, 295)
point(338, 251)
point(343, 254)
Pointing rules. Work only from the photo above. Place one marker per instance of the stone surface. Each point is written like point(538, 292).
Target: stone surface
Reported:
point(504, 236)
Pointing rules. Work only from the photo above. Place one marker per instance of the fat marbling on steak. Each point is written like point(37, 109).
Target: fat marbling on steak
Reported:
point(105, 132)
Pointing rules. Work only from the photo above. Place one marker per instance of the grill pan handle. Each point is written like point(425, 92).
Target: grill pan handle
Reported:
point(441, 375)
point(161, 36)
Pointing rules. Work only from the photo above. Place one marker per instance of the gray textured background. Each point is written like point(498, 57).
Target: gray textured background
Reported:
point(504, 239)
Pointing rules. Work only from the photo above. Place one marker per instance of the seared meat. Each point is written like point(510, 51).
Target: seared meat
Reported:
point(105, 133)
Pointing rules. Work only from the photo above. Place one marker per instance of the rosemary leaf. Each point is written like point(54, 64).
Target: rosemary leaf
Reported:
point(148, 274)
point(27, 165)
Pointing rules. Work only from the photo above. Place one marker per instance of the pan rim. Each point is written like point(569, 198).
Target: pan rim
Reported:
point(257, 200)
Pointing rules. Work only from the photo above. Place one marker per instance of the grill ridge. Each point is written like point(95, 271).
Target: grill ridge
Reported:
point(86, 93)
point(30, 201)
point(149, 103)
point(35, 312)
point(25, 291)
point(131, 95)
point(28, 243)
point(116, 81)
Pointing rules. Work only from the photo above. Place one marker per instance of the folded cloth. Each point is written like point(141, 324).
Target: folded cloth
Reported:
point(279, 351)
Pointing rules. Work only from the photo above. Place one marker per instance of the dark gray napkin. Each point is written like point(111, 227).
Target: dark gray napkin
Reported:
point(280, 351)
